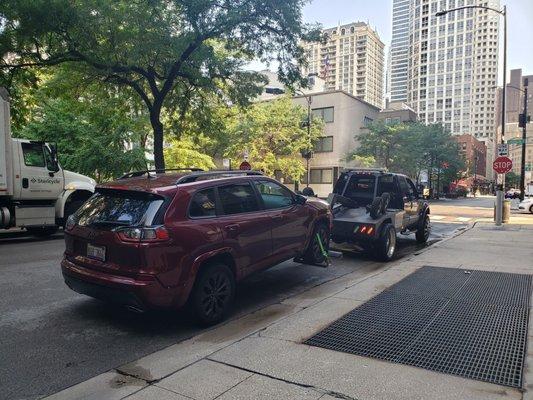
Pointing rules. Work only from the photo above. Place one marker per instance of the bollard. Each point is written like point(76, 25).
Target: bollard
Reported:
point(506, 211)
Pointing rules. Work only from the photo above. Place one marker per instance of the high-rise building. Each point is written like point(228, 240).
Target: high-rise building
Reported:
point(452, 64)
point(352, 59)
point(398, 62)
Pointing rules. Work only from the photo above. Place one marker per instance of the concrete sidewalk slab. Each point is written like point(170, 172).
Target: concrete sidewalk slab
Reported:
point(353, 376)
point(259, 387)
point(204, 380)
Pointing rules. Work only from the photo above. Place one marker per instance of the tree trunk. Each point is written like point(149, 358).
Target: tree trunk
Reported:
point(157, 127)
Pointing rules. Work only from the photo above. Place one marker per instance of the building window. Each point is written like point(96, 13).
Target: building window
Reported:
point(367, 121)
point(324, 144)
point(322, 175)
point(325, 113)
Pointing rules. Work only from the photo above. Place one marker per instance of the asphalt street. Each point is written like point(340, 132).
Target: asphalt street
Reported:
point(52, 338)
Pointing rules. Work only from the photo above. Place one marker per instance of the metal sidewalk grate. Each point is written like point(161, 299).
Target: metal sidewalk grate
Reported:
point(470, 324)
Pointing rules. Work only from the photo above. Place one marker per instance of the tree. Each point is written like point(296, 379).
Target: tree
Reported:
point(273, 135)
point(157, 47)
point(98, 132)
point(412, 148)
point(184, 154)
point(512, 180)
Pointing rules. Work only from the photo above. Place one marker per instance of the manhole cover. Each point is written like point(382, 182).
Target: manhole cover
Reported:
point(467, 323)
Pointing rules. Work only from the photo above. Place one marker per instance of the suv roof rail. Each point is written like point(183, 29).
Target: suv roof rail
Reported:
point(156, 171)
point(214, 174)
point(382, 170)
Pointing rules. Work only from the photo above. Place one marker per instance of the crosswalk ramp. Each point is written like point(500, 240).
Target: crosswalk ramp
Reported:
point(450, 219)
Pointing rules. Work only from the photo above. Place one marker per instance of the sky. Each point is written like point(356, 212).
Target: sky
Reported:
point(378, 13)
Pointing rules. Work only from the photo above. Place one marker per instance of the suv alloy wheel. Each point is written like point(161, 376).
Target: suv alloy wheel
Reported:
point(213, 294)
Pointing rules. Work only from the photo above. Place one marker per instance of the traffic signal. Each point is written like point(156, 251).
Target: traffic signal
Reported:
point(523, 120)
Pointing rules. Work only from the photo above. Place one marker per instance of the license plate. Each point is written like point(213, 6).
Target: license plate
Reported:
point(97, 252)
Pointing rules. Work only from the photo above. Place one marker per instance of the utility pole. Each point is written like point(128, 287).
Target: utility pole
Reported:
point(523, 121)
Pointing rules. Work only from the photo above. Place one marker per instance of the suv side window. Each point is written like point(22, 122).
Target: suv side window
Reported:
point(274, 195)
point(203, 204)
point(238, 198)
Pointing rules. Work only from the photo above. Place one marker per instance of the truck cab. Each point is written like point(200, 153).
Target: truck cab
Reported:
point(36, 193)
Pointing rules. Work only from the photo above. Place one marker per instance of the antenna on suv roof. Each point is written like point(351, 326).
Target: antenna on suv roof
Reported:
point(134, 174)
point(214, 174)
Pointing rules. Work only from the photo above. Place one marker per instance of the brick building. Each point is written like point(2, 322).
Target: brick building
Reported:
point(475, 155)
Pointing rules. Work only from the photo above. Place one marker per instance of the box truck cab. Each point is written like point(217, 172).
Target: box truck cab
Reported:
point(35, 192)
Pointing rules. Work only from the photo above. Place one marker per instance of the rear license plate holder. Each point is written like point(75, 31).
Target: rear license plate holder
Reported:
point(96, 252)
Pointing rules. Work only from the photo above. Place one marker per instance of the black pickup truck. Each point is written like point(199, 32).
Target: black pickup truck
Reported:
point(371, 206)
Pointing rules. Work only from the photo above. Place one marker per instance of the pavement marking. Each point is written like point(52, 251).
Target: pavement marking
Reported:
point(437, 217)
point(463, 219)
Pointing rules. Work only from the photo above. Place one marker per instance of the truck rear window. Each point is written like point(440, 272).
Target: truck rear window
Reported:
point(119, 208)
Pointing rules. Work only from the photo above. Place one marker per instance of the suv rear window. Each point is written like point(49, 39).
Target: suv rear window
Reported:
point(119, 207)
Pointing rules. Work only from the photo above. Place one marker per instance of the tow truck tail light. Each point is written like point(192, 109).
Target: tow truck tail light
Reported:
point(367, 230)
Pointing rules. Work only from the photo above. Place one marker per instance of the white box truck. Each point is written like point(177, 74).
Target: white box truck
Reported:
point(35, 192)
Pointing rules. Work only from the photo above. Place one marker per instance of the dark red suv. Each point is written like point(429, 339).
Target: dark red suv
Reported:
point(153, 240)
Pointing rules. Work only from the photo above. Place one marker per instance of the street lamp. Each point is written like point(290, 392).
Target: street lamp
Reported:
point(499, 192)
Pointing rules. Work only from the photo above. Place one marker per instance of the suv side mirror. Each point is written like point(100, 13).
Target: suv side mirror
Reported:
point(299, 199)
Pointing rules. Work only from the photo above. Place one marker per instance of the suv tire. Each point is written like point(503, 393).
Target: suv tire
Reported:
point(213, 294)
point(385, 246)
point(313, 252)
point(423, 230)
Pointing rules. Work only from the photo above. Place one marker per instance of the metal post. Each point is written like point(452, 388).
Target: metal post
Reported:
point(308, 155)
point(499, 193)
point(524, 135)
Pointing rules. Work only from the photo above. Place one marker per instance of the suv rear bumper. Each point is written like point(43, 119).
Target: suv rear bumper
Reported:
point(139, 295)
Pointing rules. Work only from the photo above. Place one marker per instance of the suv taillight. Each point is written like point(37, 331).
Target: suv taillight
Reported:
point(137, 234)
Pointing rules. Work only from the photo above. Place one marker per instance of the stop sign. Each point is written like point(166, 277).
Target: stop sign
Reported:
point(245, 166)
point(502, 165)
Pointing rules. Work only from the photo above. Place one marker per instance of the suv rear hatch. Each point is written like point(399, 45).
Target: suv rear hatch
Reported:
point(105, 233)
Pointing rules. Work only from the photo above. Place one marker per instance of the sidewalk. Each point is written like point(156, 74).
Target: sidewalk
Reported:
point(261, 356)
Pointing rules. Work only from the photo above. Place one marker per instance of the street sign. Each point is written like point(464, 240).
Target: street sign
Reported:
point(245, 166)
point(226, 162)
point(503, 149)
point(502, 165)
point(515, 141)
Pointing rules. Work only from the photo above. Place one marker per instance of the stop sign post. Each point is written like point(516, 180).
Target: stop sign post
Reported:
point(502, 165)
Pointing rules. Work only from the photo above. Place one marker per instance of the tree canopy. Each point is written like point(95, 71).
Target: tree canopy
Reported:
point(411, 148)
point(273, 134)
point(164, 50)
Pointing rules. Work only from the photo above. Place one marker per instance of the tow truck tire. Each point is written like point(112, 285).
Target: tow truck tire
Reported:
point(385, 246)
point(376, 207)
point(423, 230)
point(313, 253)
point(385, 200)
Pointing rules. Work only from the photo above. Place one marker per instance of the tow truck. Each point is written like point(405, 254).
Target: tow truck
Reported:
point(371, 206)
